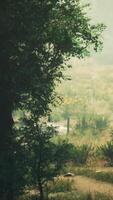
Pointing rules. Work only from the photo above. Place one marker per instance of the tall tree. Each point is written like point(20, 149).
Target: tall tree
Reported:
point(41, 152)
point(36, 37)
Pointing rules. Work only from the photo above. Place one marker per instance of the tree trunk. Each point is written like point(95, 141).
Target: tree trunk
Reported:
point(6, 148)
point(41, 190)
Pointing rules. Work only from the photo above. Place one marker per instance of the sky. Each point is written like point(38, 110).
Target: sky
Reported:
point(101, 11)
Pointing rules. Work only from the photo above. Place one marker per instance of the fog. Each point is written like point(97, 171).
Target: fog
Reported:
point(102, 11)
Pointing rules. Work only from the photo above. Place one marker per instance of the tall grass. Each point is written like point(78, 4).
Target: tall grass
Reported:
point(88, 99)
point(106, 151)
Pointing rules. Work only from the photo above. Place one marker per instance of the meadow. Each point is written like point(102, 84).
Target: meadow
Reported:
point(87, 100)
point(88, 103)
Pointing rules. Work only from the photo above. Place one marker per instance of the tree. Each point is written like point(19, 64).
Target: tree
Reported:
point(40, 150)
point(40, 154)
point(64, 154)
point(36, 38)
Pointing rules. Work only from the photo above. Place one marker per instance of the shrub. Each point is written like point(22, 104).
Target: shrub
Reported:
point(82, 154)
point(107, 152)
point(98, 175)
point(67, 152)
point(104, 176)
point(60, 185)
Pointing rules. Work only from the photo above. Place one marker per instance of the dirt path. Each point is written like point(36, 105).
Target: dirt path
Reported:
point(84, 184)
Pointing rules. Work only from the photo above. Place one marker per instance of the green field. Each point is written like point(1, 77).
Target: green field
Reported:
point(87, 99)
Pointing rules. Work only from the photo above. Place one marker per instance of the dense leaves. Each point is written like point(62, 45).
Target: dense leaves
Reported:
point(36, 38)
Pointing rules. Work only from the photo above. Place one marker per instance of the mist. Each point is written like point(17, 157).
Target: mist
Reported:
point(101, 12)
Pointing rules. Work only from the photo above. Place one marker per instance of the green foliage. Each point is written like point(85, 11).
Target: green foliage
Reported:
point(107, 152)
point(60, 185)
point(92, 121)
point(34, 46)
point(91, 173)
point(104, 176)
point(78, 196)
point(67, 152)
point(40, 153)
point(20, 166)
point(85, 101)
point(82, 154)
point(37, 38)
point(73, 196)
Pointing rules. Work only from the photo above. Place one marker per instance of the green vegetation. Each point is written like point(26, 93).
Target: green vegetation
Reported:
point(61, 188)
point(77, 196)
point(60, 185)
point(82, 153)
point(78, 154)
point(72, 196)
point(107, 152)
point(37, 38)
point(87, 99)
point(91, 173)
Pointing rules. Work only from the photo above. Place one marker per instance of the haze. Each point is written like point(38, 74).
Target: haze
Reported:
point(102, 12)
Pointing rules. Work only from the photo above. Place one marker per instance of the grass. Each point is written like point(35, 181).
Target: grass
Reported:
point(58, 192)
point(71, 196)
point(67, 189)
point(91, 173)
point(77, 196)
point(88, 138)
point(88, 100)
point(60, 185)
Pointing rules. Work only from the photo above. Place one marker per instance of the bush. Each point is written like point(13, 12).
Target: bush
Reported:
point(107, 152)
point(60, 185)
point(82, 154)
point(67, 152)
point(104, 176)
